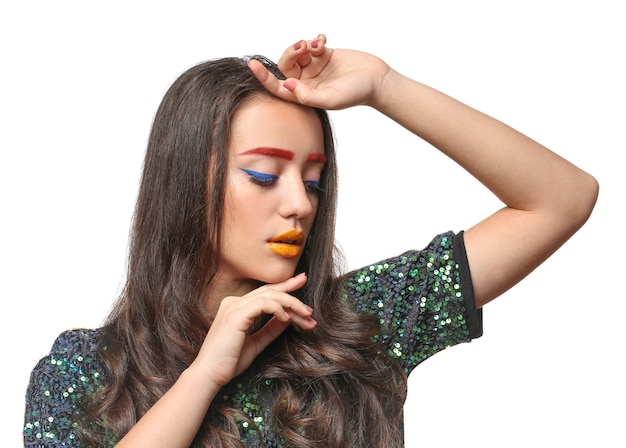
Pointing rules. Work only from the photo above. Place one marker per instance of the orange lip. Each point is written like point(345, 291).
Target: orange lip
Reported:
point(288, 244)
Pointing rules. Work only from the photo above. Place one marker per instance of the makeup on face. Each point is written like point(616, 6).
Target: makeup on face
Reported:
point(283, 154)
point(267, 179)
point(287, 244)
point(275, 164)
point(271, 152)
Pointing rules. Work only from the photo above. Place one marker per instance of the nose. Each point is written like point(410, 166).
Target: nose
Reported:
point(296, 201)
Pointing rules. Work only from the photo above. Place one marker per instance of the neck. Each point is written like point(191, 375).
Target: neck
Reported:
point(221, 288)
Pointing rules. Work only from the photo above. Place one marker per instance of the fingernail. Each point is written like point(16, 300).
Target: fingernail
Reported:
point(315, 43)
point(290, 85)
point(297, 45)
point(308, 308)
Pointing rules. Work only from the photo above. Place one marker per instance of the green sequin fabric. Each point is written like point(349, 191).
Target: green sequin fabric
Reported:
point(423, 300)
point(57, 384)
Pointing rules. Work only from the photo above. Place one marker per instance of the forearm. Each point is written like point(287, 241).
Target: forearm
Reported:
point(174, 420)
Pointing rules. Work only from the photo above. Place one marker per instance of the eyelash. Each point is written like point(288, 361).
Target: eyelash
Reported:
point(262, 179)
point(313, 185)
point(267, 180)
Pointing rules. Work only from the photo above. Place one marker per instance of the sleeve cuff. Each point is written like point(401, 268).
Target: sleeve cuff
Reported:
point(474, 317)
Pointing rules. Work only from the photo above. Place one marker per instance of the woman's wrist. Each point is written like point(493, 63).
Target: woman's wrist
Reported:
point(389, 87)
point(200, 380)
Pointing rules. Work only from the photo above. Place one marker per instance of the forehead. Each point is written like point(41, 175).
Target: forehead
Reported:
point(275, 123)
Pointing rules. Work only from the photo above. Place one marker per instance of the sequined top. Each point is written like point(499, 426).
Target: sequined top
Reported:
point(423, 299)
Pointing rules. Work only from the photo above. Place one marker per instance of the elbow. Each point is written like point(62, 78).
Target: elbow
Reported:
point(591, 196)
point(584, 200)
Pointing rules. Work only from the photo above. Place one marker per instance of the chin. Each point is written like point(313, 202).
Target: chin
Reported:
point(277, 274)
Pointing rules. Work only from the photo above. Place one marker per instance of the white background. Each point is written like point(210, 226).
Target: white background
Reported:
point(79, 85)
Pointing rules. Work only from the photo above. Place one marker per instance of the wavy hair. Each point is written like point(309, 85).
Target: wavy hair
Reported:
point(335, 387)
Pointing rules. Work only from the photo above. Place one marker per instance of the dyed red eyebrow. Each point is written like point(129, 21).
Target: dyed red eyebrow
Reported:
point(317, 157)
point(272, 152)
point(282, 154)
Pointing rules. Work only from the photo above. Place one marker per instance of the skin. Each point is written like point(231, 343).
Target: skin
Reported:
point(547, 199)
point(255, 213)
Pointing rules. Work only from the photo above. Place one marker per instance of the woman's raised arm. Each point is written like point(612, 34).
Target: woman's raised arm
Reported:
point(546, 198)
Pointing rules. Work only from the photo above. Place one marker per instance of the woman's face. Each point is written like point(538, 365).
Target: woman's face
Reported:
point(275, 160)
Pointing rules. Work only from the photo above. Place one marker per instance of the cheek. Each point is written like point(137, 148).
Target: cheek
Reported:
point(247, 204)
point(315, 204)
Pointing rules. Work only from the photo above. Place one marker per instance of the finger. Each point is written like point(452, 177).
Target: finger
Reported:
point(323, 98)
point(274, 327)
point(300, 55)
point(282, 305)
point(318, 45)
point(293, 58)
point(291, 284)
point(267, 334)
point(260, 340)
point(304, 322)
point(279, 304)
point(272, 301)
point(272, 84)
point(265, 77)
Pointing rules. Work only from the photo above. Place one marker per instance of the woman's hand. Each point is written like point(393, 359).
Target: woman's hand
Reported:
point(229, 349)
point(322, 77)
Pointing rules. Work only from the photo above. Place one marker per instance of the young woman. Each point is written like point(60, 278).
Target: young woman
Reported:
point(235, 327)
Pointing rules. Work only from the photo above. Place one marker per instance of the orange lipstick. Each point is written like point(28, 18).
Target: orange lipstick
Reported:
point(288, 244)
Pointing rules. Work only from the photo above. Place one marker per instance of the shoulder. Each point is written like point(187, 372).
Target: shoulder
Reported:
point(76, 341)
point(445, 249)
point(72, 350)
point(73, 360)
point(58, 382)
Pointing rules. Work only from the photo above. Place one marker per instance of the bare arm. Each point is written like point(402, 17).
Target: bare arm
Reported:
point(227, 351)
point(547, 199)
point(175, 419)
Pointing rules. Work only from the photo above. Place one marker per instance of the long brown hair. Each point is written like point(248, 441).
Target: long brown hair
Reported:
point(173, 257)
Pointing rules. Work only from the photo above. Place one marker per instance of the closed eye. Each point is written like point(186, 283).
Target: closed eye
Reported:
point(313, 185)
point(262, 179)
